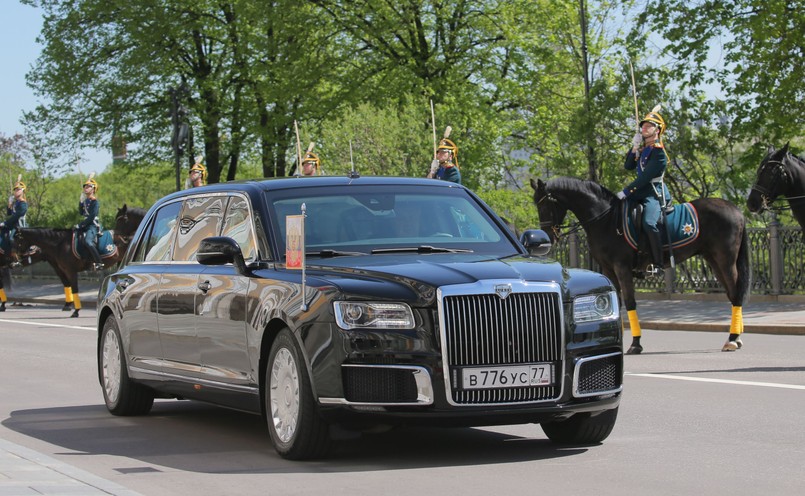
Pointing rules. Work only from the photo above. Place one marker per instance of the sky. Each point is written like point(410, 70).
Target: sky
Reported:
point(19, 27)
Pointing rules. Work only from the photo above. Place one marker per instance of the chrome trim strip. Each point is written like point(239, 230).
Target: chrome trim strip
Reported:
point(424, 387)
point(490, 287)
point(578, 365)
point(195, 380)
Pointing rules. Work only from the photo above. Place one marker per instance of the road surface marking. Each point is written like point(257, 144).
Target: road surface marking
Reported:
point(719, 381)
point(46, 324)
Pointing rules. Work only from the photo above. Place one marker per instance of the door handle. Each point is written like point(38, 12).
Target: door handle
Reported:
point(204, 286)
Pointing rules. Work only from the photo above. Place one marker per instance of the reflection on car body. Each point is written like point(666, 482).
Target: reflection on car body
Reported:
point(417, 305)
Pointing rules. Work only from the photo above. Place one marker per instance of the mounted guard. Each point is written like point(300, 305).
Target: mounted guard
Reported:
point(89, 229)
point(649, 158)
point(17, 208)
point(445, 163)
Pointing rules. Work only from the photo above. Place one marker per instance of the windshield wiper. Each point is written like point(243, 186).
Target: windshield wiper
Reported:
point(421, 249)
point(333, 253)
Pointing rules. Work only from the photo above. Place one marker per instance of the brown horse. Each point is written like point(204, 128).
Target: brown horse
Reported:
point(723, 242)
point(56, 247)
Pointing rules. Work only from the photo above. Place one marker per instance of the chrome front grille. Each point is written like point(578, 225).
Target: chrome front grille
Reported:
point(485, 329)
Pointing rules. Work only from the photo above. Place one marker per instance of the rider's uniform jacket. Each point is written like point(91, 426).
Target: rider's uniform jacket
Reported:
point(89, 208)
point(16, 212)
point(448, 172)
point(650, 169)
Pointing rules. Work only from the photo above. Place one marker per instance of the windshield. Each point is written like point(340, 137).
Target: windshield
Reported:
point(374, 219)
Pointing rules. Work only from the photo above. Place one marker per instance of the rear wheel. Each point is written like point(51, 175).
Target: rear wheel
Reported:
point(122, 396)
point(582, 428)
point(296, 429)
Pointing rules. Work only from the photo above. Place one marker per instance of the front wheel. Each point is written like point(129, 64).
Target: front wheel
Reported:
point(582, 428)
point(296, 428)
point(122, 396)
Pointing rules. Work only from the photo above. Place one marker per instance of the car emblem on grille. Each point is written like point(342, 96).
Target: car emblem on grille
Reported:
point(503, 290)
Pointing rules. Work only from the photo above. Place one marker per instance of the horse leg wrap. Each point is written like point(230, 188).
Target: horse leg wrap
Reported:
point(634, 324)
point(737, 323)
point(76, 302)
point(3, 298)
point(68, 294)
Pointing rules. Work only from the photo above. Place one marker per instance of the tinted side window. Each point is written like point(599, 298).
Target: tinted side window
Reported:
point(158, 247)
point(238, 226)
point(201, 218)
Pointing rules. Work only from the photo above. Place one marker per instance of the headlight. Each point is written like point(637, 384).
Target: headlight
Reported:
point(361, 314)
point(602, 306)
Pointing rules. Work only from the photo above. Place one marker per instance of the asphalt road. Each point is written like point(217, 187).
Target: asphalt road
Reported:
point(693, 420)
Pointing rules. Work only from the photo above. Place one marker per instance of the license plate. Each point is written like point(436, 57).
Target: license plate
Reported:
point(507, 376)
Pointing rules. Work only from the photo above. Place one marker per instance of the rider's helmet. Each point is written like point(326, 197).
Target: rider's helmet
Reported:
point(655, 118)
point(312, 158)
point(19, 185)
point(198, 166)
point(93, 183)
point(446, 144)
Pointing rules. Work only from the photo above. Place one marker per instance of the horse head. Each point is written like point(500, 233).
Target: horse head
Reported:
point(772, 180)
point(551, 213)
point(127, 220)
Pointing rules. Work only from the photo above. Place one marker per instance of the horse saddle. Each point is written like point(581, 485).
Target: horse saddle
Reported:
point(681, 222)
point(105, 244)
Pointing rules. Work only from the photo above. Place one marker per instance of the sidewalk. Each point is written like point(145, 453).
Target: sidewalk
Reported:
point(27, 472)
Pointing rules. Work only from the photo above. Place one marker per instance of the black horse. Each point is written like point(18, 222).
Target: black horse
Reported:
point(5, 262)
point(780, 174)
point(55, 247)
point(722, 242)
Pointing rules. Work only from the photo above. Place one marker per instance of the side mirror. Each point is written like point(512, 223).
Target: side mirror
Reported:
point(536, 241)
point(221, 250)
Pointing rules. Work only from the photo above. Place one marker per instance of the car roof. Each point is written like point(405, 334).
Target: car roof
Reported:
point(295, 182)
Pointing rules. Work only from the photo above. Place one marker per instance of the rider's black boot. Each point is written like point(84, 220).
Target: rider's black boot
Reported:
point(655, 243)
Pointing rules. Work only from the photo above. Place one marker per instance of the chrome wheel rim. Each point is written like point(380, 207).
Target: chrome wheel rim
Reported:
point(284, 395)
point(112, 366)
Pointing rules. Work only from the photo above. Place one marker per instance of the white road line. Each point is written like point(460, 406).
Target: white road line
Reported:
point(45, 324)
point(719, 381)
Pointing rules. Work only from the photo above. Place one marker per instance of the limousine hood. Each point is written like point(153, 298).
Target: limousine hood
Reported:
point(416, 276)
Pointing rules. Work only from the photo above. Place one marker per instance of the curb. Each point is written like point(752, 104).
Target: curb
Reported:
point(663, 325)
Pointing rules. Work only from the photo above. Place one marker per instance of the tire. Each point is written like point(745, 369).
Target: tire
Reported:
point(296, 428)
point(122, 396)
point(582, 428)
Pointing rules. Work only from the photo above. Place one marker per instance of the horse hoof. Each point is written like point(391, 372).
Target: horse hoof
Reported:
point(3, 307)
point(730, 346)
point(739, 343)
point(67, 307)
point(74, 314)
point(634, 350)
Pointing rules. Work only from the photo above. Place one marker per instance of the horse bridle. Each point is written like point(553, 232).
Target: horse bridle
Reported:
point(573, 228)
point(779, 172)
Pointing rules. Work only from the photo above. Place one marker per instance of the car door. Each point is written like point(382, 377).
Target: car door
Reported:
point(221, 303)
point(139, 286)
point(178, 288)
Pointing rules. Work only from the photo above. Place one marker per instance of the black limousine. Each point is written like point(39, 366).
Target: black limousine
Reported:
point(413, 303)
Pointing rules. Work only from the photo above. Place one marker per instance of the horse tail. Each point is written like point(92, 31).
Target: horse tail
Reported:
point(744, 266)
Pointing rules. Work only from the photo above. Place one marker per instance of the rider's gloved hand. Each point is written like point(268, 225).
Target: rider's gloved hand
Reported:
point(434, 166)
point(76, 227)
point(637, 141)
point(621, 195)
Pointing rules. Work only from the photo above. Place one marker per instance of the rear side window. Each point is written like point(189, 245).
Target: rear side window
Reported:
point(157, 247)
point(238, 226)
point(201, 218)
